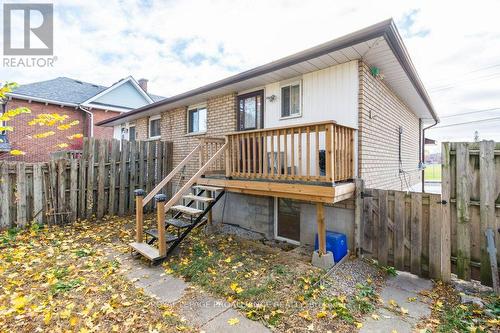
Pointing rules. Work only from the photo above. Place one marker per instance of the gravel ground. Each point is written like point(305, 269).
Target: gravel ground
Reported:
point(343, 280)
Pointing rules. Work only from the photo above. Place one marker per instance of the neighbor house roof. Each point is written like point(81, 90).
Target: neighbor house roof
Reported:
point(379, 45)
point(65, 91)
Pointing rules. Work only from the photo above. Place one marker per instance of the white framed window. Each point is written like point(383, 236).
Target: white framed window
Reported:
point(154, 127)
point(291, 100)
point(131, 133)
point(197, 119)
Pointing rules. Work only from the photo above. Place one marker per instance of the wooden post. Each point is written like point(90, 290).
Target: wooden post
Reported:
point(139, 216)
point(227, 158)
point(358, 216)
point(37, 193)
point(382, 232)
point(487, 204)
point(320, 217)
point(446, 219)
point(5, 196)
point(463, 212)
point(21, 194)
point(208, 194)
point(160, 217)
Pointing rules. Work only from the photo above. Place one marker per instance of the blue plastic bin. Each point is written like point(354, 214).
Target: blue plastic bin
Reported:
point(335, 243)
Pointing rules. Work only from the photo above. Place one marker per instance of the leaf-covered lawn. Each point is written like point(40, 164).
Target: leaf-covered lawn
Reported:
point(59, 279)
point(267, 284)
point(449, 315)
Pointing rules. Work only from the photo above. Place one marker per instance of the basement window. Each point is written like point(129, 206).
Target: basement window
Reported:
point(154, 127)
point(197, 120)
point(291, 100)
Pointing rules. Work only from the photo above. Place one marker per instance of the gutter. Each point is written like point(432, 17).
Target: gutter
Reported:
point(436, 121)
point(91, 116)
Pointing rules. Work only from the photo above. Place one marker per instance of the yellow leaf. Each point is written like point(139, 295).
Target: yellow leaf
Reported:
point(65, 313)
point(62, 145)
point(375, 316)
point(358, 325)
point(16, 152)
point(47, 317)
point(412, 299)
point(233, 321)
point(393, 303)
point(321, 314)
point(394, 331)
point(404, 311)
point(19, 302)
point(305, 314)
point(73, 321)
point(228, 260)
point(439, 304)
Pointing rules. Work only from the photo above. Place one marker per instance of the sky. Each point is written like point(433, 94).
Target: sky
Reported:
point(180, 45)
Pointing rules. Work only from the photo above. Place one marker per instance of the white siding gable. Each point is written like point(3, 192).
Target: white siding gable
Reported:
point(126, 95)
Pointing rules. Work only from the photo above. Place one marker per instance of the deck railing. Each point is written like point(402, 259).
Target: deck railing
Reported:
point(322, 152)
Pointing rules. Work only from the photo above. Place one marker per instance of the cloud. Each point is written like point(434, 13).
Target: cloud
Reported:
point(180, 45)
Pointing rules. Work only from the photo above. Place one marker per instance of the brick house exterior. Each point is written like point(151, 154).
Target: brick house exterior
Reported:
point(39, 150)
point(378, 136)
point(84, 102)
point(381, 114)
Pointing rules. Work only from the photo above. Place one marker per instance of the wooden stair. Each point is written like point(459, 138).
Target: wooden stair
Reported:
point(184, 217)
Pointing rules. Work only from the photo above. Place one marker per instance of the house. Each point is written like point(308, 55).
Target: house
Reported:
point(285, 140)
point(84, 102)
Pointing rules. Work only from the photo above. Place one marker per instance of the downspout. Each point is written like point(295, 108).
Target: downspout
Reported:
point(91, 116)
point(423, 150)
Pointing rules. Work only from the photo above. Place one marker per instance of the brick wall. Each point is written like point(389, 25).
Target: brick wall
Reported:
point(38, 150)
point(221, 119)
point(379, 135)
point(102, 132)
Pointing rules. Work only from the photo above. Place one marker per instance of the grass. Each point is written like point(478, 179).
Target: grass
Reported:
point(449, 315)
point(267, 284)
point(433, 172)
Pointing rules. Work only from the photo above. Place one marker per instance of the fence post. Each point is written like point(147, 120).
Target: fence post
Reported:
point(358, 215)
point(139, 216)
point(160, 217)
point(5, 195)
point(487, 204)
point(446, 227)
point(463, 212)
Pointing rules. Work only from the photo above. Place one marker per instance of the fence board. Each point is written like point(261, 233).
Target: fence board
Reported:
point(383, 248)
point(463, 213)
point(115, 150)
point(416, 233)
point(73, 189)
point(123, 178)
point(21, 195)
point(37, 193)
point(4, 196)
point(61, 183)
point(487, 205)
point(101, 177)
point(90, 178)
point(434, 238)
point(446, 217)
point(399, 229)
point(133, 176)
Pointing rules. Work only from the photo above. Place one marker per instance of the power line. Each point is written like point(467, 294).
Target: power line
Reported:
point(469, 112)
point(473, 80)
point(468, 122)
point(465, 73)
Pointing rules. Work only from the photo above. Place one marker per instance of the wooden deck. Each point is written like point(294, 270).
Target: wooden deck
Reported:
point(298, 191)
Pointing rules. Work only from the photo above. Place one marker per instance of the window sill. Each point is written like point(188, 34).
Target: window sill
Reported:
point(291, 117)
point(154, 138)
point(195, 133)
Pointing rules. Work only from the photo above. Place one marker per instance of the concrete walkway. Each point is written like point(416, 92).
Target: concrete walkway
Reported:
point(199, 309)
point(403, 289)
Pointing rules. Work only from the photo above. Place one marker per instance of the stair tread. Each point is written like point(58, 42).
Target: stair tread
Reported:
point(187, 210)
point(178, 223)
point(168, 236)
point(146, 250)
point(208, 188)
point(198, 198)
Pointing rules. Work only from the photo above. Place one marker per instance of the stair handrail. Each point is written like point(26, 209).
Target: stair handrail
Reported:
point(171, 174)
point(195, 177)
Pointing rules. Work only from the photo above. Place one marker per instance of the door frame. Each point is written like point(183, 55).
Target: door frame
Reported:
point(238, 113)
point(284, 239)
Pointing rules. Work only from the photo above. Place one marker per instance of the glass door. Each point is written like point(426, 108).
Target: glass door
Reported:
point(251, 117)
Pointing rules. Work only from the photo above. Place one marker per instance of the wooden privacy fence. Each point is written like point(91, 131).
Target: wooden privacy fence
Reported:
point(100, 182)
point(407, 231)
point(471, 184)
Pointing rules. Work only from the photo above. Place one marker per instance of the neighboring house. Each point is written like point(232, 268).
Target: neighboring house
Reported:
point(85, 102)
point(284, 150)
